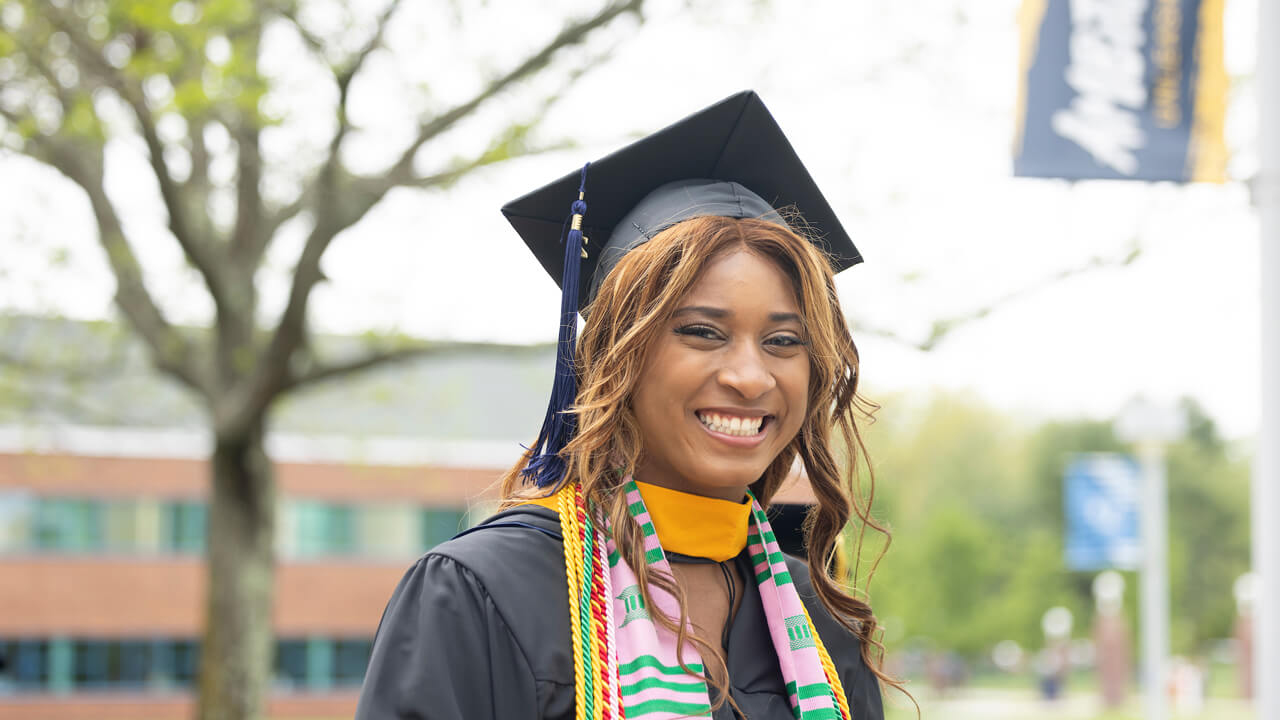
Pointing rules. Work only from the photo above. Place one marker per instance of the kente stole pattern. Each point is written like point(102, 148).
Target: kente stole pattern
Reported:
point(626, 665)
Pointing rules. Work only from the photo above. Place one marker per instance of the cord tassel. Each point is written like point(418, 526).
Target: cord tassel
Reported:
point(546, 467)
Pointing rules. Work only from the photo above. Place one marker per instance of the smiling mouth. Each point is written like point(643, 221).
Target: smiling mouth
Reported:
point(733, 425)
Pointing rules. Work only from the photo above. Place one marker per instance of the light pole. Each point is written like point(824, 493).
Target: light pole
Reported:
point(1266, 468)
point(1150, 427)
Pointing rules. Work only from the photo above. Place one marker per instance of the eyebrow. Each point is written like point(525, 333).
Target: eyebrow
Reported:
point(719, 313)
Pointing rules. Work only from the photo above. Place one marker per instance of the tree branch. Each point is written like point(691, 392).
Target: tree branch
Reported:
point(273, 368)
point(69, 402)
point(199, 177)
point(944, 327)
point(77, 372)
point(248, 238)
point(330, 173)
point(573, 34)
point(15, 120)
point(197, 252)
point(344, 76)
point(455, 173)
point(321, 373)
point(274, 220)
point(374, 359)
point(171, 352)
point(46, 72)
point(290, 12)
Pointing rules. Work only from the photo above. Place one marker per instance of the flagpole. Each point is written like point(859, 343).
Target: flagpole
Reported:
point(1266, 471)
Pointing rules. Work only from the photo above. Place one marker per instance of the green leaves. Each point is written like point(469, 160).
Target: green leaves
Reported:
point(974, 500)
point(82, 120)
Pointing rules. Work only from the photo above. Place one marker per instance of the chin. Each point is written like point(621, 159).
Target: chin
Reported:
point(720, 480)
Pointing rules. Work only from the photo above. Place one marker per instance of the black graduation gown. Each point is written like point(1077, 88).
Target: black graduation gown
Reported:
point(478, 628)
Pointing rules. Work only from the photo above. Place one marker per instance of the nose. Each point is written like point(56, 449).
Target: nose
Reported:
point(746, 371)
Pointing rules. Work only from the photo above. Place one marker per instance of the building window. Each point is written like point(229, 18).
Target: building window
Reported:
point(43, 665)
point(131, 526)
point(68, 525)
point(321, 529)
point(17, 510)
point(291, 663)
point(24, 664)
point(350, 659)
point(388, 531)
point(134, 663)
point(185, 657)
point(93, 663)
point(183, 527)
point(308, 529)
point(440, 524)
point(342, 530)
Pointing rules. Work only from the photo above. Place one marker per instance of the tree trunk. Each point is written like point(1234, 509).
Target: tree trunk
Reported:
point(235, 663)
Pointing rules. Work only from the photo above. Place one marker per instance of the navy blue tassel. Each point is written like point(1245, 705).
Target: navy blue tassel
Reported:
point(546, 466)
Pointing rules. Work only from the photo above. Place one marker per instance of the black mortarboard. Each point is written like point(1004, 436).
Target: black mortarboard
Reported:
point(735, 140)
point(730, 159)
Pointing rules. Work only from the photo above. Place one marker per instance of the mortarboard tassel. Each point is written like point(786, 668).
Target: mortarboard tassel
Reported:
point(546, 466)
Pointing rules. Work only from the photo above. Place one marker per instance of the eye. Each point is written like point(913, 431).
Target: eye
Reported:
point(705, 332)
point(785, 340)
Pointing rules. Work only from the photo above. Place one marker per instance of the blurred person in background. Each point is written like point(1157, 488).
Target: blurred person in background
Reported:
point(633, 571)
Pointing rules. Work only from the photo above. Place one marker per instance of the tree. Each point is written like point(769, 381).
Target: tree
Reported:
point(1209, 532)
point(79, 74)
point(975, 503)
point(974, 559)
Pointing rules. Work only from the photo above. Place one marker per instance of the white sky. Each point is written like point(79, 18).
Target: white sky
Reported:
point(903, 113)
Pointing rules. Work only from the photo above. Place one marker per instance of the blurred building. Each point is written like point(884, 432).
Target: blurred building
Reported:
point(102, 516)
point(103, 479)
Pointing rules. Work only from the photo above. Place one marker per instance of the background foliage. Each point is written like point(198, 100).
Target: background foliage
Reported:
point(974, 500)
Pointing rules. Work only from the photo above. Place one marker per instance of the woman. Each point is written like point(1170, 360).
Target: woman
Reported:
point(634, 572)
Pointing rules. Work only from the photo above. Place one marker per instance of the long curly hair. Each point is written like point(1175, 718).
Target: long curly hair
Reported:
point(631, 309)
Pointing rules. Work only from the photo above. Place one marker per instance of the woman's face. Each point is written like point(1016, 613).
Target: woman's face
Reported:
point(725, 386)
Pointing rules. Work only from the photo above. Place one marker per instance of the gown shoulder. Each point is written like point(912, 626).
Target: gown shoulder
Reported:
point(473, 630)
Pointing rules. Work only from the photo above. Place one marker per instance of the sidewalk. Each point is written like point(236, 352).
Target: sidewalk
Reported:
point(990, 704)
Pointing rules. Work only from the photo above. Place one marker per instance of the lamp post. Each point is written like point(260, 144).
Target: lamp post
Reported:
point(1150, 427)
point(1266, 468)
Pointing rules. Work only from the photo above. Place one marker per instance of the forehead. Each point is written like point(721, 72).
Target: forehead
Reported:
point(742, 278)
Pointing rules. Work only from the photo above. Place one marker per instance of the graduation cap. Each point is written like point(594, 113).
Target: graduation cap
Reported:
point(730, 159)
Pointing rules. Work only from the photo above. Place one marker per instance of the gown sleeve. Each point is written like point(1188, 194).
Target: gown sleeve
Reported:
point(443, 651)
point(861, 686)
point(863, 693)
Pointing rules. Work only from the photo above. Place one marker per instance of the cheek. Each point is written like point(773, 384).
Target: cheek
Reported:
point(666, 380)
point(795, 385)
point(656, 398)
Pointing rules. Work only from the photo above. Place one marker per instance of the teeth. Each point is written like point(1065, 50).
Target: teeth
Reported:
point(730, 425)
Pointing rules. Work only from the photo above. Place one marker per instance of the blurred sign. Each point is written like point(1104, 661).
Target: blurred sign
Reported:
point(1121, 89)
point(1102, 496)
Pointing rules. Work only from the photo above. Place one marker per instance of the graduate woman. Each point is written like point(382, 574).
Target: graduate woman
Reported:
point(634, 573)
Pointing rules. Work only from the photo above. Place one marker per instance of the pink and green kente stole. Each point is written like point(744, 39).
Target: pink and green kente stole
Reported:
point(626, 665)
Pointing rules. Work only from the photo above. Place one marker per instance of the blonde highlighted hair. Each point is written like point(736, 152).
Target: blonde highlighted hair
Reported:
point(630, 311)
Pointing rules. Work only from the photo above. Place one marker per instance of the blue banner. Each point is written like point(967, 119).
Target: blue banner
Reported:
point(1122, 89)
point(1102, 495)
